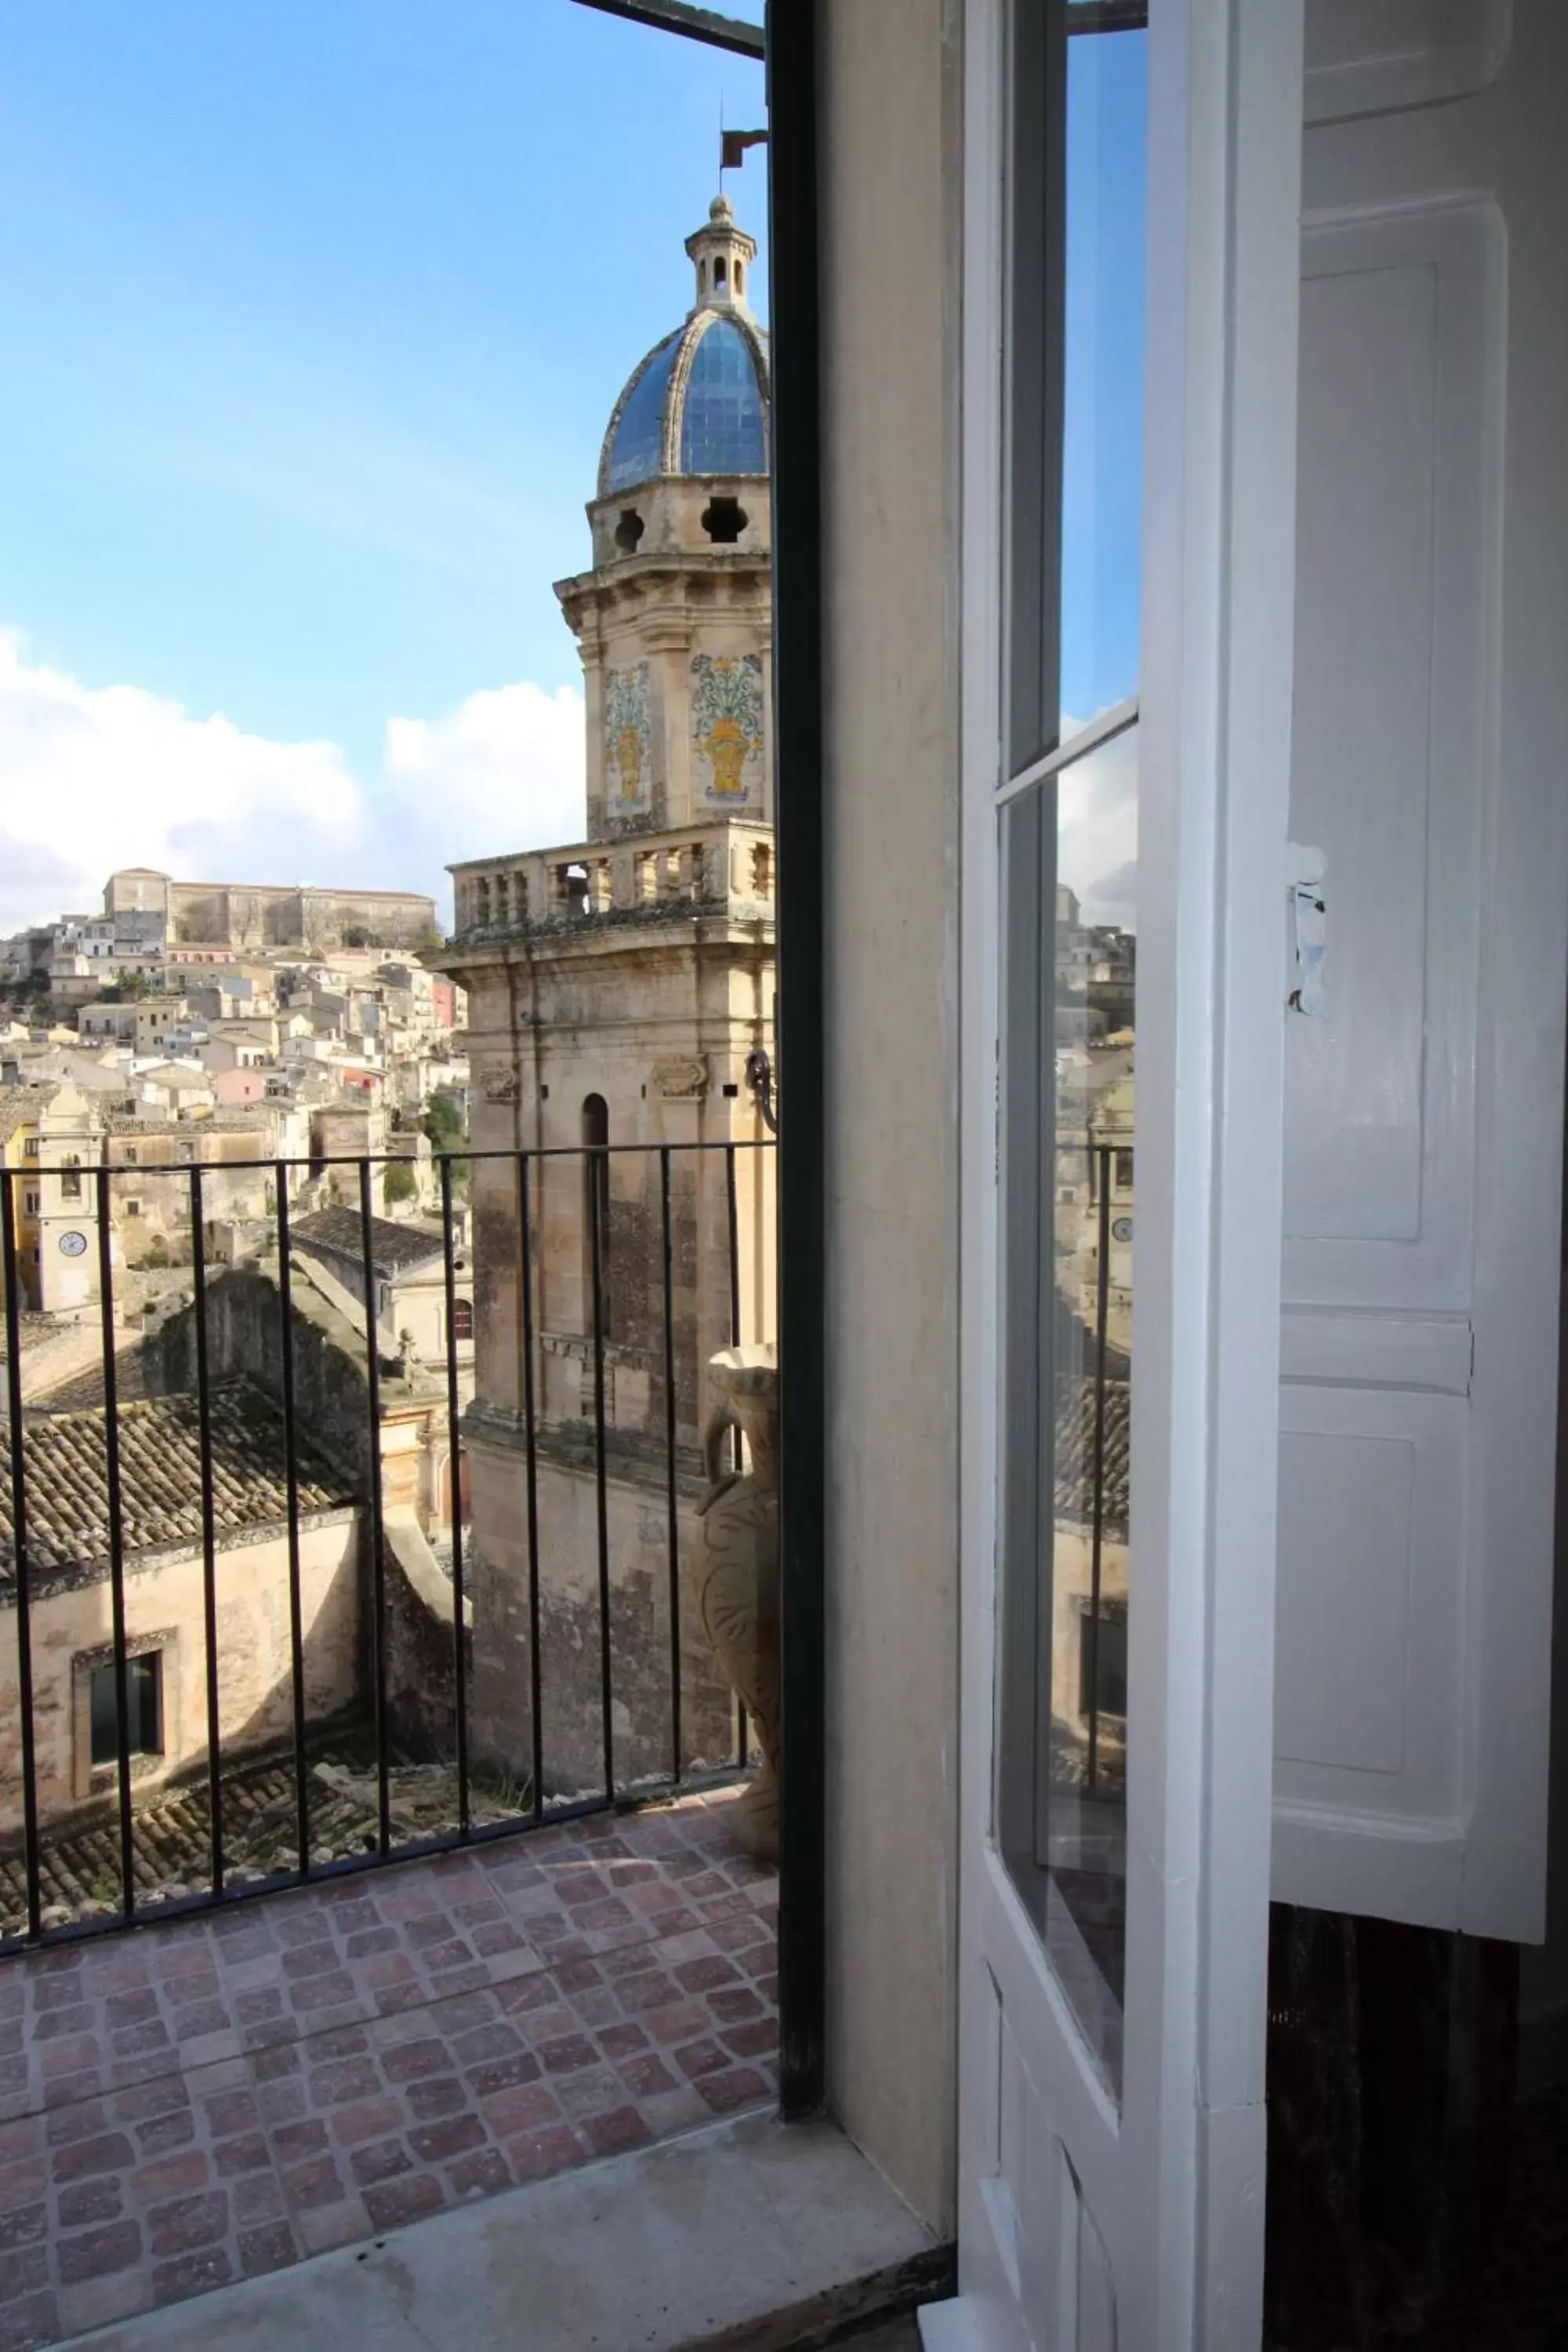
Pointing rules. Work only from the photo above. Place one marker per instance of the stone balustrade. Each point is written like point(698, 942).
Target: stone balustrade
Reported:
point(716, 868)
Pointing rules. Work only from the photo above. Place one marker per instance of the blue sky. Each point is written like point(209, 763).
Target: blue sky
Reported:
point(1102, 489)
point(1102, 472)
point(312, 315)
point(314, 312)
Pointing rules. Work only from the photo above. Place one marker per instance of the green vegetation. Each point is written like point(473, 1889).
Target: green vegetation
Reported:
point(448, 1130)
point(399, 1185)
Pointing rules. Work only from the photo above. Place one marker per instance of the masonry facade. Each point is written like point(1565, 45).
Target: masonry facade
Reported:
point(621, 1022)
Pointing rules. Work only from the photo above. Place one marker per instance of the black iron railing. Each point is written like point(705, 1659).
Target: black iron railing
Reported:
point(254, 1417)
point(1091, 1436)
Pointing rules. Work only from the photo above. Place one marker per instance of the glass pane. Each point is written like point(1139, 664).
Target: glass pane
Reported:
point(1074, 387)
point(1102, 388)
point(1070, 859)
point(146, 1738)
point(105, 1719)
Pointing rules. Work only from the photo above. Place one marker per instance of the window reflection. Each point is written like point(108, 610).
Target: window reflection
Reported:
point(1070, 838)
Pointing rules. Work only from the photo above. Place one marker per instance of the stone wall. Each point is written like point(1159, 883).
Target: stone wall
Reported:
point(245, 1339)
point(164, 1603)
point(570, 1622)
point(421, 1657)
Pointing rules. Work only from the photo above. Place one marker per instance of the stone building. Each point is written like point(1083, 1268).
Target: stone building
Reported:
point(621, 1000)
point(242, 916)
point(74, 1713)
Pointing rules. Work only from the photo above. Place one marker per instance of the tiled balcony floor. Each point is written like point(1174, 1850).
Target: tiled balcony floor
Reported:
point(201, 2102)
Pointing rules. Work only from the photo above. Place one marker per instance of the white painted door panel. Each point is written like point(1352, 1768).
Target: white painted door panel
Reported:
point(1424, 1108)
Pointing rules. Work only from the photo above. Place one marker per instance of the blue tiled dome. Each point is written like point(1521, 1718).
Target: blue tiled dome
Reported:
point(698, 403)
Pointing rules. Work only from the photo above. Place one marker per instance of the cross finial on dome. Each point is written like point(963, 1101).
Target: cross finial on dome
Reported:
point(724, 255)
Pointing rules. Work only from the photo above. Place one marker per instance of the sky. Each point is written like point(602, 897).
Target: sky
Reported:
point(314, 313)
point(1103, 469)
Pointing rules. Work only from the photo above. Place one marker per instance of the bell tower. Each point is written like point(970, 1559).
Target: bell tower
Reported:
point(674, 619)
point(620, 1032)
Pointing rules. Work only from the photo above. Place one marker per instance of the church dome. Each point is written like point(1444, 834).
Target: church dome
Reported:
point(698, 403)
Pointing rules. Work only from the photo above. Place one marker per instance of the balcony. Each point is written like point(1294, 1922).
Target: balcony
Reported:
point(715, 870)
point(366, 1676)
point(236, 2091)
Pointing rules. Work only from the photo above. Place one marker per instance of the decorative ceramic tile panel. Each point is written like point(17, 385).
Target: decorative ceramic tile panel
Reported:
point(727, 726)
point(628, 738)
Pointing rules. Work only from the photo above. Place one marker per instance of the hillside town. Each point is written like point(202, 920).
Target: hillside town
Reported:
point(228, 1029)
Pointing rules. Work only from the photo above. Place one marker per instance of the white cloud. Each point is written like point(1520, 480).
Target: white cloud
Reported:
point(1097, 836)
point(503, 771)
point(92, 778)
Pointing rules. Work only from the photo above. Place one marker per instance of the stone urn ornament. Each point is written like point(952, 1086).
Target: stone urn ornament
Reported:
point(735, 1568)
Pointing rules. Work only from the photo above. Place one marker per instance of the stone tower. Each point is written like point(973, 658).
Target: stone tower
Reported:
point(620, 999)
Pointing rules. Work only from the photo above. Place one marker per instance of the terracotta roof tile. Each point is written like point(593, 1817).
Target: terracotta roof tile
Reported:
point(395, 1247)
point(65, 1463)
point(1075, 1453)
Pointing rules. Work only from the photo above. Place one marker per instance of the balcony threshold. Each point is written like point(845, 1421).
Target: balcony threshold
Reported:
point(747, 2234)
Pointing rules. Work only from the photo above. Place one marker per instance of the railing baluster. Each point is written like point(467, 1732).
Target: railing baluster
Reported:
point(19, 1538)
point(742, 1737)
point(116, 1546)
point(292, 1479)
point(130, 1732)
point(667, 1229)
point(1096, 1525)
point(377, 1528)
point(531, 1457)
point(598, 1167)
point(209, 1530)
point(460, 1646)
point(732, 1234)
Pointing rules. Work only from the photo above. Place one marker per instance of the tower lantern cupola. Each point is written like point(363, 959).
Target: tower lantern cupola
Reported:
point(723, 256)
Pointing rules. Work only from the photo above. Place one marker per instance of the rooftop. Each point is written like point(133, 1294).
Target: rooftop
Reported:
point(395, 1248)
point(699, 403)
point(66, 1483)
point(1075, 1451)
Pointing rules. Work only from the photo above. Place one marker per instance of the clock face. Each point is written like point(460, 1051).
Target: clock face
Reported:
point(1122, 1229)
point(72, 1244)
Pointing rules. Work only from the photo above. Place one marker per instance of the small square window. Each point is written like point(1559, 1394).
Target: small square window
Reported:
point(144, 1704)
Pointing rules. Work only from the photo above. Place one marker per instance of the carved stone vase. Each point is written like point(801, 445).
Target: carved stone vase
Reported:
point(734, 1569)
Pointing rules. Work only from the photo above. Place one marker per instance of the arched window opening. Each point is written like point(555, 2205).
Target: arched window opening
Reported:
point(629, 530)
point(596, 1213)
point(718, 271)
point(462, 1318)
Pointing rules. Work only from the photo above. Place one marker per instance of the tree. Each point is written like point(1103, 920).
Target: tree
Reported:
point(447, 1130)
point(399, 1183)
